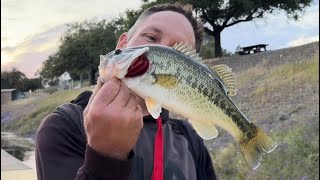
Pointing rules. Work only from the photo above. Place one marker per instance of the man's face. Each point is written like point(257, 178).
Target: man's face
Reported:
point(164, 28)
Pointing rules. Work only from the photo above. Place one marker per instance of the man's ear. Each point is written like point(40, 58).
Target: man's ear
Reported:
point(123, 40)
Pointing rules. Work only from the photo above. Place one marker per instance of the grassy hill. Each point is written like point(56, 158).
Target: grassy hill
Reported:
point(25, 115)
point(277, 90)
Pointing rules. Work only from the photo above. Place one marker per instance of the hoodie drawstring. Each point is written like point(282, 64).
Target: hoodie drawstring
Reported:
point(157, 173)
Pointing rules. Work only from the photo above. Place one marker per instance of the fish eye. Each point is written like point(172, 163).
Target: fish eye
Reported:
point(118, 51)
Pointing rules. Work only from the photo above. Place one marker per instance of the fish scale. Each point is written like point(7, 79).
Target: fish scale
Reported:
point(191, 79)
point(185, 86)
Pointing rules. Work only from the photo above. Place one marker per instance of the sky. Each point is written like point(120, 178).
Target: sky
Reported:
point(31, 29)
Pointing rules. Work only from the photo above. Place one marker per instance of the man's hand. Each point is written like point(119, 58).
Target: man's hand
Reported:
point(113, 119)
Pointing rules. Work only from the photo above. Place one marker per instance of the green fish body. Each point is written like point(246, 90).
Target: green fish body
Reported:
point(175, 79)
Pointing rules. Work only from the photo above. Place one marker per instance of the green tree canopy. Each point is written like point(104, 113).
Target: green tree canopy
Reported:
point(80, 49)
point(220, 14)
point(125, 21)
point(84, 42)
point(18, 80)
point(33, 83)
point(14, 78)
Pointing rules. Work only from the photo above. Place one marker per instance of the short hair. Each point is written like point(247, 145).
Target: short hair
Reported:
point(184, 9)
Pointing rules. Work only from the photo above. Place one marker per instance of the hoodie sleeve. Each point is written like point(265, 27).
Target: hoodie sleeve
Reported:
point(205, 166)
point(62, 153)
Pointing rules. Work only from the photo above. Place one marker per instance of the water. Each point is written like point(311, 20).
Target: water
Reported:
point(5, 117)
point(30, 159)
point(19, 147)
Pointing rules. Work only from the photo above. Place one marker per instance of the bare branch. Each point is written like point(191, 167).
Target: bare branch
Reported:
point(208, 31)
point(248, 18)
point(229, 16)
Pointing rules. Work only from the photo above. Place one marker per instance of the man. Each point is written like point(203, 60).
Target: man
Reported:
point(116, 138)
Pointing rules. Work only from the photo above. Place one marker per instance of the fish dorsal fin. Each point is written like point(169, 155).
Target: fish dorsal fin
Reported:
point(227, 77)
point(205, 128)
point(187, 50)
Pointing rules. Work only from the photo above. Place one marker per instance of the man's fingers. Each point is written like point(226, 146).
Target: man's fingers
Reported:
point(132, 103)
point(123, 96)
point(108, 91)
point(138, 114)
point(94, 92)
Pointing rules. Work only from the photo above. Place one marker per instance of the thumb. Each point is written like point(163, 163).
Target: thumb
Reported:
point(95, 91)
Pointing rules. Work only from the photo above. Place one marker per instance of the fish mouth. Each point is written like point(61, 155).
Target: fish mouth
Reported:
point(139, 66)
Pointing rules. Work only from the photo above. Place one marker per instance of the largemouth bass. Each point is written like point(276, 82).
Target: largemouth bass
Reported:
point(174, 78)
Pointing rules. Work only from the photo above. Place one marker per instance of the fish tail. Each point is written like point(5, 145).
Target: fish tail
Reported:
point(253, 148)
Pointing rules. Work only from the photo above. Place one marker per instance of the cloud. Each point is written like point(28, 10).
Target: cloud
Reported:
point(29, 55)
point(278, 23)
point(31, 29)
point(37, 42)
point(31, 62)
point(25, 18)
point(303, 40)
point(309, 19)
point(275, 29)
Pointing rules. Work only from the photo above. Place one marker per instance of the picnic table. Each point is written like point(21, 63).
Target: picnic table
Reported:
point(251, 49)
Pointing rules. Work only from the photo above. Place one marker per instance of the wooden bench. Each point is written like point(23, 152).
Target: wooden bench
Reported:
point(251, 49)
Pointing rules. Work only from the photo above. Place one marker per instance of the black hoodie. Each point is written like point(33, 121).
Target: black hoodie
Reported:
point(63, 154)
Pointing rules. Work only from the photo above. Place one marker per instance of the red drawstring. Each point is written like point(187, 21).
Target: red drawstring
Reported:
point(157, 173)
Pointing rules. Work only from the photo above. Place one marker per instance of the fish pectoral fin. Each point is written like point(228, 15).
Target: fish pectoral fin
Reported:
point(227, 77)
point(205, 128)
point(153, 107)
point(166, 80)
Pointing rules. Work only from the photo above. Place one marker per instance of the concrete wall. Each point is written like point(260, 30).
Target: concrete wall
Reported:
point(14, 169)
point(6, 97)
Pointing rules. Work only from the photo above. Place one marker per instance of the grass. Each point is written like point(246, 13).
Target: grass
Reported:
point(29, 124)
point(297, 155)
point(283, 100)
point(289, 75)
point(18, 104)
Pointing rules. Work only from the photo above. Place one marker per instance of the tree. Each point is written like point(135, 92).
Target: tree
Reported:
point(125, 21)
point(34, 83)
point(206, 51)
point(82, 44)
point(80, 49)
point(13, 79)
point(51, 67)
point(18, 80)
point(220, 14)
